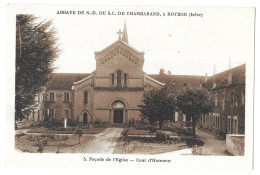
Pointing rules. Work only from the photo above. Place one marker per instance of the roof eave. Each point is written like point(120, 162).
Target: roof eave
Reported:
point(74, 83)
point(158, 82)
point(97, 52)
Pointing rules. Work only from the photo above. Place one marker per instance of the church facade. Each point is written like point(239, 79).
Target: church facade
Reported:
point(112, 92)
point(109, 94)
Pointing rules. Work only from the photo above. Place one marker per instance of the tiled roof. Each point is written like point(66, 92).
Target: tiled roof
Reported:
point(180, 80)
point(64, 81)
point(221, 79)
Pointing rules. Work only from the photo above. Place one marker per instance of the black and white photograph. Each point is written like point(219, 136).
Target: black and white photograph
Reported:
point(136, 85)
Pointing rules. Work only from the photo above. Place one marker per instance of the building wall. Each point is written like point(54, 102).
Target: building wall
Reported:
point(228, 115)
point(119, 57)
point(79, 105)
point(36, 114)
point(103, 101)
point(58, 105)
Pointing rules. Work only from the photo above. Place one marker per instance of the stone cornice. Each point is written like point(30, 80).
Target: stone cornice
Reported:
point(123, 89)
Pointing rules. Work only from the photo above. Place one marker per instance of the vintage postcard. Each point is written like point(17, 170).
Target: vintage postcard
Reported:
point(130, 86)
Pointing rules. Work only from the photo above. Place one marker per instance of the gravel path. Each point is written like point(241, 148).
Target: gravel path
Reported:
point(105, 141)
point(212, 144)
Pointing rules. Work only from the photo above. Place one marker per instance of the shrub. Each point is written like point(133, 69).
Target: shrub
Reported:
point(42, 142)
point(124, 133)
point(97, 122)
point(185, 132)
point(52, 123)
point(72, 122)
point(193, 142)
point(63, 138)
point(222, 134)
point(58, 129)
point(20, 135)
point(79, 133)
point(51, 136)
point(47, 136)
point(148, 127)
point(162, 136)
point(170, 128)
point(37, 125)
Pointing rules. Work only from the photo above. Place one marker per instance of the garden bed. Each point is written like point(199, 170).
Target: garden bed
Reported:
point(53, 143)
point(133, 131)
point(92, 130)
point(139, 132)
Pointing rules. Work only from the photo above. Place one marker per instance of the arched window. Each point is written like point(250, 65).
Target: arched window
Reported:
point(85, 96)
point(125, 79)
point(112, 79)
point(119, 81)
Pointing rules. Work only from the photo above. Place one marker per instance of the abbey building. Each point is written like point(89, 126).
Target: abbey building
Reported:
point(112, 92)
point(109, 94)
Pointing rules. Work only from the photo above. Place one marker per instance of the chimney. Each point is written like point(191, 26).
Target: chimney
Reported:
point(206, 77)
point(214, 69)
point(230, 77)
point(229, 62)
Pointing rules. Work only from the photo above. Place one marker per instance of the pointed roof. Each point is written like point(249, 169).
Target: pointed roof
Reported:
point(125, 36)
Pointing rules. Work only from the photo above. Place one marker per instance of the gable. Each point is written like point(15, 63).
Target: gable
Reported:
point(121, 50)
point(83, 83)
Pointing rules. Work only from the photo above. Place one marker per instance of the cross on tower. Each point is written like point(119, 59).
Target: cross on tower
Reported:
point(119, 34)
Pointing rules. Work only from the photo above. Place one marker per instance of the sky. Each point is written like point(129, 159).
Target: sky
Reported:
point(183, 45)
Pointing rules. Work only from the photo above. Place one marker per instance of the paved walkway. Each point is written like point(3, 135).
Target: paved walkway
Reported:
point(105, 141)
point(212, 144)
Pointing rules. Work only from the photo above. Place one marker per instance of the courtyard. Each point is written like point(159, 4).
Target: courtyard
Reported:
point(112, 141)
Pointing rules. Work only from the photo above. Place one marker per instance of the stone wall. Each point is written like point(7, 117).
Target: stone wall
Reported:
point(235, 144)
point(59, 105)
point(119, 57)
point(79, 105)
point(103, 101)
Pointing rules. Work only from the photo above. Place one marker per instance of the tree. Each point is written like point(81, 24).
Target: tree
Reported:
point(162, 72)
point(163, 77)
point(193, 102)
point(79, 133)
point(158, 106)
point(36, 50)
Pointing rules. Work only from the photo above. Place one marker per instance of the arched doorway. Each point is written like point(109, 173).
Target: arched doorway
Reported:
point(85, 118)
point(118, 111)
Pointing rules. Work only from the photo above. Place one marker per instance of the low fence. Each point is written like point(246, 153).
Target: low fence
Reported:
point(235, 144)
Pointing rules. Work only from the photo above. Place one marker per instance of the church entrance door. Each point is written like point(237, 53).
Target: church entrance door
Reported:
point(118, 111)
point(85, 118)
point(118, 115)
